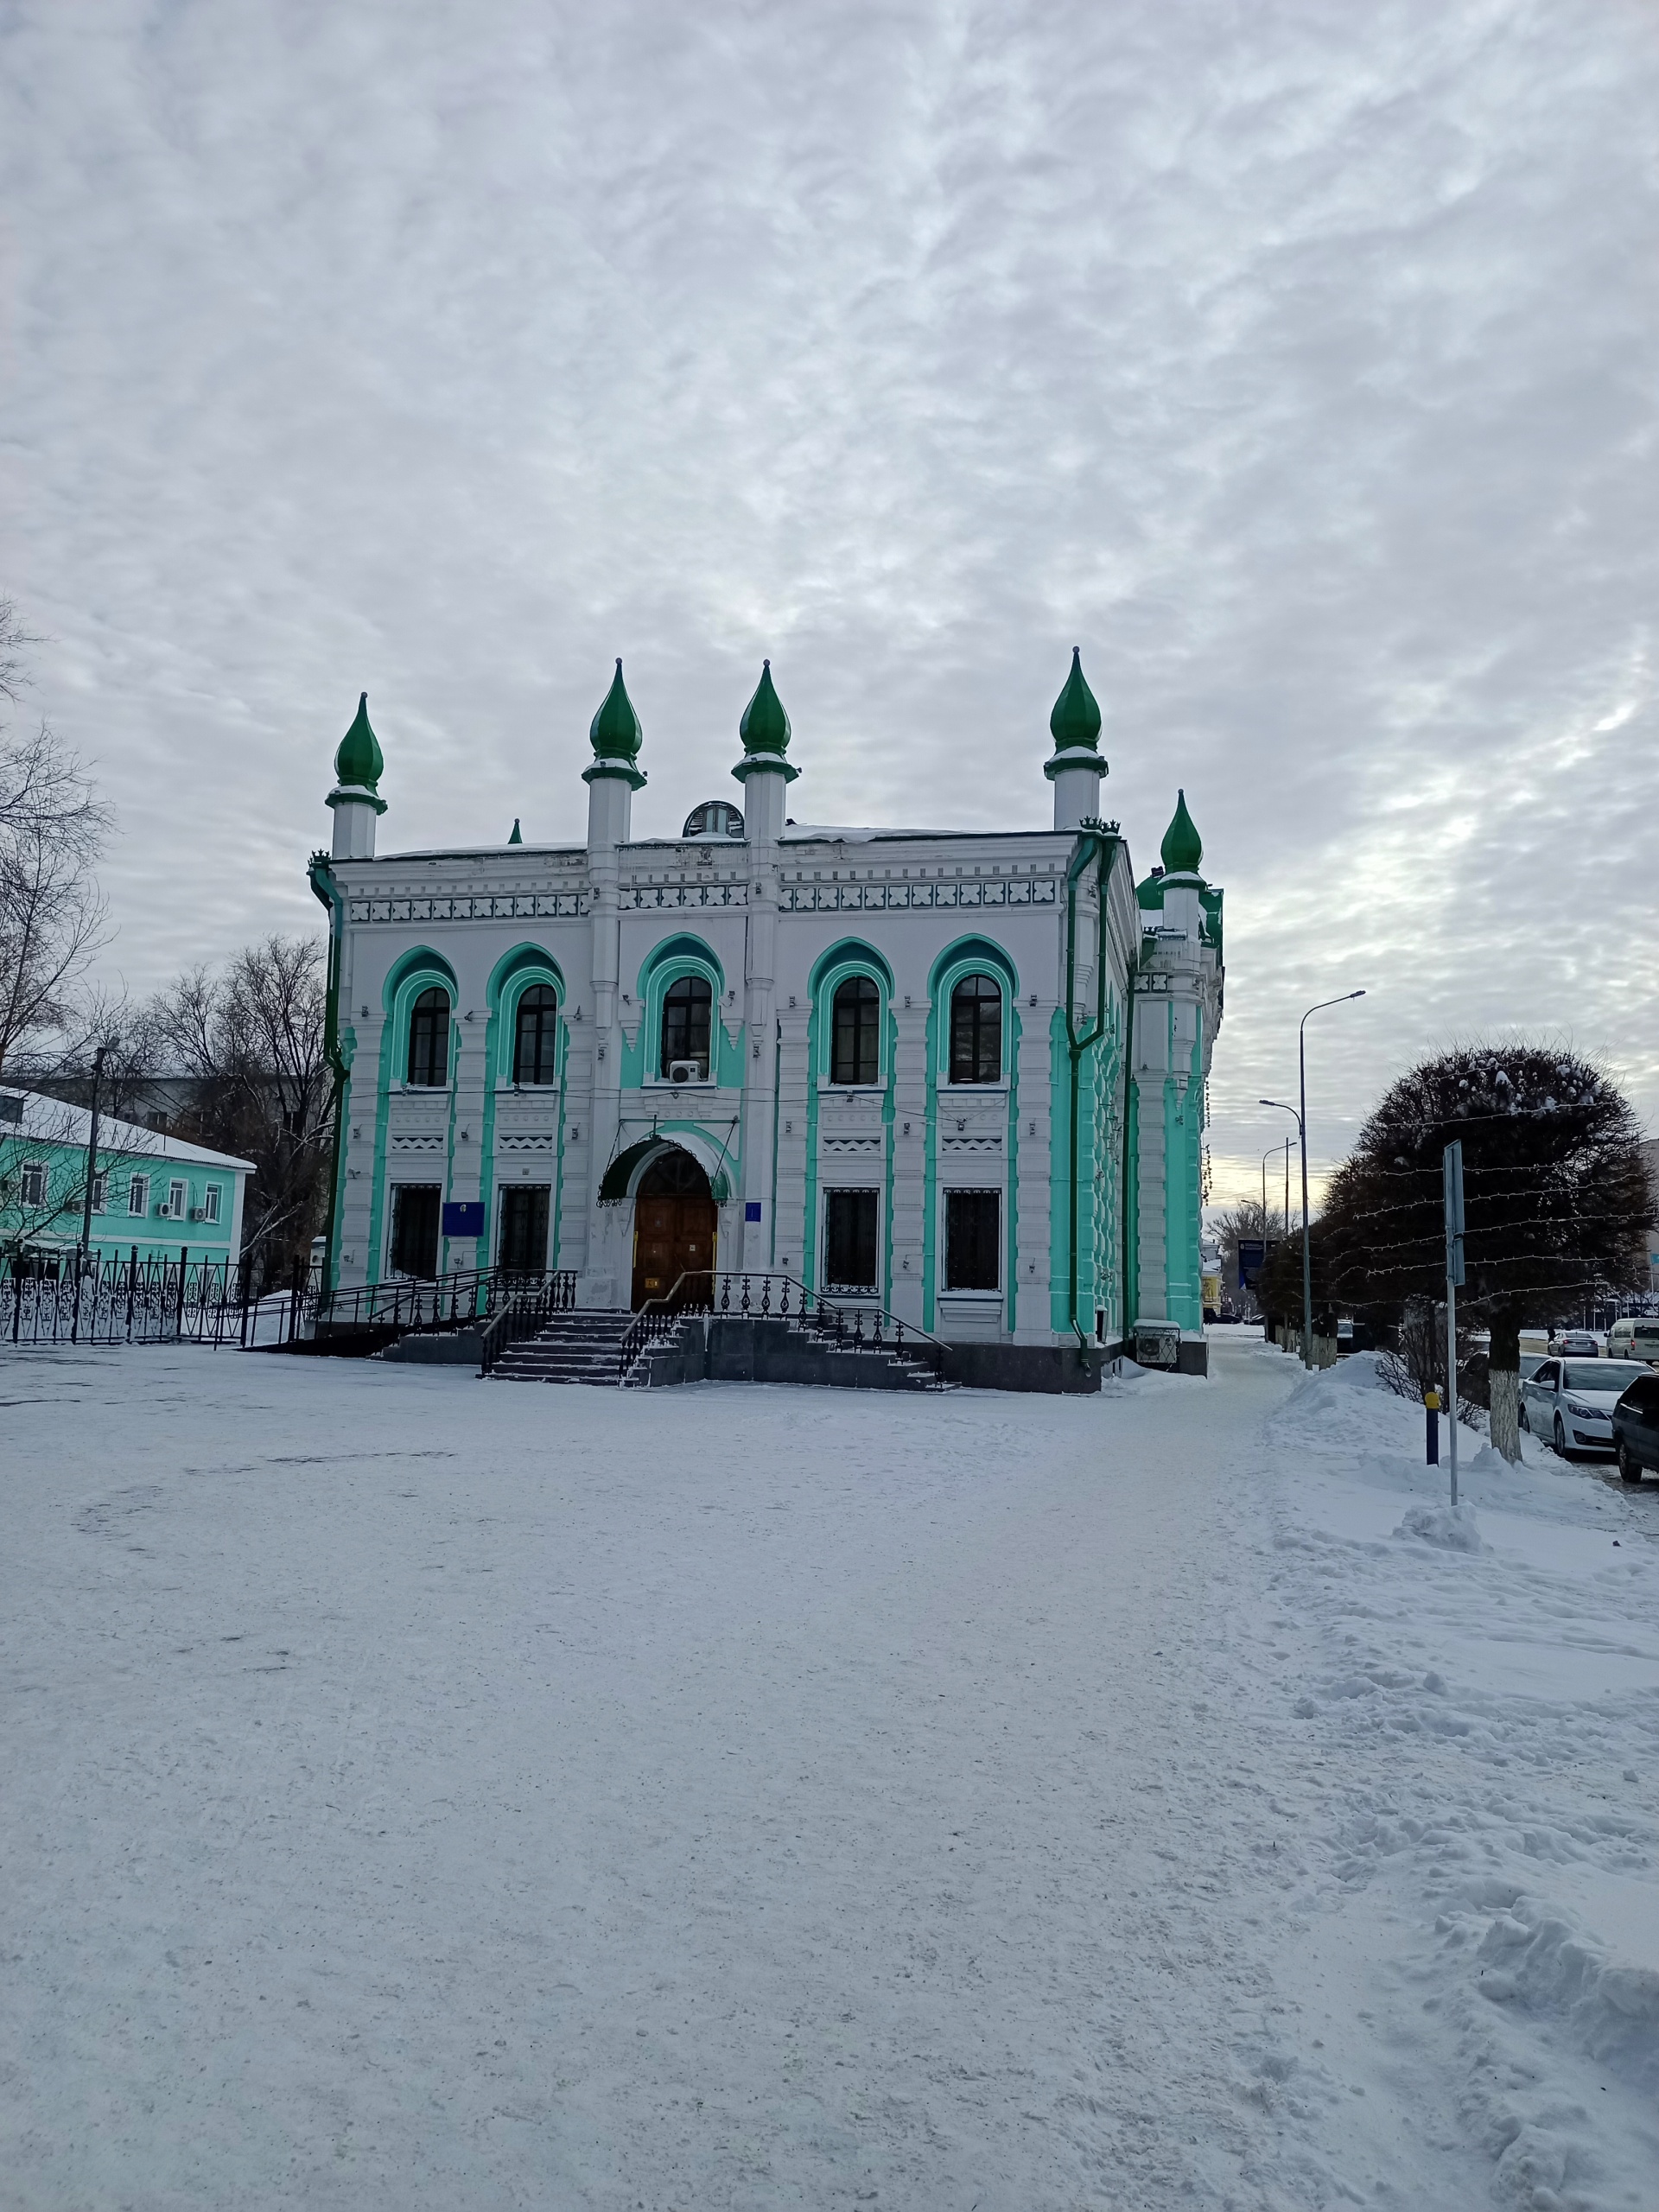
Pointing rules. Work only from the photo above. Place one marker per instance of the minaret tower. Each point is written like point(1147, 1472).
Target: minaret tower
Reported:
point(356, 797)
point(617, 734)
point(1075, 767)
point(765, 775)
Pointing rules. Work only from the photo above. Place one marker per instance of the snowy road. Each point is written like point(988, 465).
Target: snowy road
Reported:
point(428, 1793)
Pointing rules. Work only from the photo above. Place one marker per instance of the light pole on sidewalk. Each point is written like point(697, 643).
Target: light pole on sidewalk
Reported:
point(1308, 1341)
point(1307, 1270)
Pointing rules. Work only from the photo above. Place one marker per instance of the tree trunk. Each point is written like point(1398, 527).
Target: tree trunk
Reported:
point(1504, 1382)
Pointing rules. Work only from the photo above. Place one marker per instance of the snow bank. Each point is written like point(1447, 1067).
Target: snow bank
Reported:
point(1452, 1527)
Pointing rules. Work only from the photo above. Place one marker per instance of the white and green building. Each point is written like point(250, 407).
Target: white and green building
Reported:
point(958, 1075)
point(151, 1193)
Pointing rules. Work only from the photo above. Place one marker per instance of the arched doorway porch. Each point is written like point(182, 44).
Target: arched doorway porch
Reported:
point(674, 1230)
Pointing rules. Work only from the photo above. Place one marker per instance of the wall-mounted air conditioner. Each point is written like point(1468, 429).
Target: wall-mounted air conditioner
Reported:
point(198, 1213)
point(684, 1071)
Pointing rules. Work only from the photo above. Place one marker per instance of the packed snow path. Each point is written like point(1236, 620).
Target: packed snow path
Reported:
point(424, 1794)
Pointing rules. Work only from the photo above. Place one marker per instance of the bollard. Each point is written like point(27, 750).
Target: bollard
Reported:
point(1431, 1402)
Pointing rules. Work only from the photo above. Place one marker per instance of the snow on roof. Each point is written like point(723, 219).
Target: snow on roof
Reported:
point(52, 1121)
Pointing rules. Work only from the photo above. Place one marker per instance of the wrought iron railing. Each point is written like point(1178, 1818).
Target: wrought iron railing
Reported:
point(212, 1302)
point(522, 1312)
point(846, 1325)
point(408, 1304)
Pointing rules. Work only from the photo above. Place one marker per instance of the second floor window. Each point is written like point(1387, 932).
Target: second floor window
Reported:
point(210, 1202)
point(100, 1190)
point(855, 1049)
point(977, 1031)
point(536, 1035)
point(429, 1040)
point(34, 1182)
point(688, 1015)
point(138, 1194)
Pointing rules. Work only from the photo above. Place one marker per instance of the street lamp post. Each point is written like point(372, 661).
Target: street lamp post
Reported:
point(1301, 1131)
point(1281, 1106)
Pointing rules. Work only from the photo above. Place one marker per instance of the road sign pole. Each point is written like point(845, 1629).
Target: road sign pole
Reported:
point(1452, 1177)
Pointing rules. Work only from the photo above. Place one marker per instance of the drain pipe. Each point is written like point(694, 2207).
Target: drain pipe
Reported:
point(1102, 846)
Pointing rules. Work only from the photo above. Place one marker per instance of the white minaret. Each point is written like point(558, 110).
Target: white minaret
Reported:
point(765, 776)
point(1075, 767)
point(611, 781)
point(356, 798)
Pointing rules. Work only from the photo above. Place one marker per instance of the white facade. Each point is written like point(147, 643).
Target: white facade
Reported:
point(931, 933)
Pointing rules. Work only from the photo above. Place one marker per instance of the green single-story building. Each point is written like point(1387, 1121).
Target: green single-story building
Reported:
point(149, 1191)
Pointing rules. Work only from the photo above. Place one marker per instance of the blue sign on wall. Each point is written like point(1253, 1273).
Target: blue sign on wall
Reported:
point(752, 1209)
point(463, 1217)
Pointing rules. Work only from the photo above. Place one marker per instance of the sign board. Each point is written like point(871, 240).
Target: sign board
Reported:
point(463, 1217)
point(1451, 1178)
point(1254, 1253)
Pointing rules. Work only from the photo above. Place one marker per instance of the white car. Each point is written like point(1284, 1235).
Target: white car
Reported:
point(1569, 1403)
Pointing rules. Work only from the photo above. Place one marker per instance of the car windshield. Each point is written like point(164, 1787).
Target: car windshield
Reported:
point(1604, 1374)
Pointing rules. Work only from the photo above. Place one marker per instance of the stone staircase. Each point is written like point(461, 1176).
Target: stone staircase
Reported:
point(580, 1346)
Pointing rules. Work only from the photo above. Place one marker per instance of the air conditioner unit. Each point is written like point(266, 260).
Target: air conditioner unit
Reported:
point(684, 1071)
point(163, 1212)
point(198, 1213)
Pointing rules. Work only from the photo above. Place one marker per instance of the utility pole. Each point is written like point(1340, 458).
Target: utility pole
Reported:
point(1301, 1124)
point(92, 1162)
point(1451, 1178)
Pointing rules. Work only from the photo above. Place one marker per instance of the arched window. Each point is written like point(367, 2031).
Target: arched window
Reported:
point(429, 1040)
point(688, 1011)
point(855, 1049)
point(535, 1034)
point(976, 1030)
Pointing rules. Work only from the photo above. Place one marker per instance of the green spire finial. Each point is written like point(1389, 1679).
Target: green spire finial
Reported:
point(1075, 719)
point(616, 730)
point(764, 725)
point(359, 761)
point(516, 838)
point(1182, 848)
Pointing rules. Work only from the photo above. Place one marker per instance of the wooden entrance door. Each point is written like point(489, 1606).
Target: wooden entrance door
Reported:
point(673, 1231)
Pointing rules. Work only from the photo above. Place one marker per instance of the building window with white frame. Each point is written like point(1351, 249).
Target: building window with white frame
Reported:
point(850, 1221)
point(100, 1190)
point(688, 1029)
point(856, 1032)
point(976, 1030)
point(33, 1190)
point(178, 1200)
point(973, 1223)
point(210, 1202)
point(536, 1030)
point(428, 1041)
point(138, 1194)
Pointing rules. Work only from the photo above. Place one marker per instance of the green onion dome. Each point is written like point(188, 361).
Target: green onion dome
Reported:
point(1182, 848)
point(359, 761)
point(1075, 719)
point(764, 725)
point(616, 730)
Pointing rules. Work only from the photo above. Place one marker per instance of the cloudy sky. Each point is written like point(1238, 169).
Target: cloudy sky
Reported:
point(1297, 361)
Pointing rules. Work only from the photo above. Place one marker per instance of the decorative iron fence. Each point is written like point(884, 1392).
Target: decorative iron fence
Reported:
point(206, 1301)
point(526, 1306)
point(837, 1322)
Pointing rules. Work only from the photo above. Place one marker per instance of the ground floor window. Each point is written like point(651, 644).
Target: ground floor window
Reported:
point(849, 1224)
point(973, 1221)
point(415, 1208)
point(210, 1202)
point(525, 1210)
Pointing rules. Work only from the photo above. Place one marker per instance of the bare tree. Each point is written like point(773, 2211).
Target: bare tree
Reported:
point(52, 828)
point(249, 1043)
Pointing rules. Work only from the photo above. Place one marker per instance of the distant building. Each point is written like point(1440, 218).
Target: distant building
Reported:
point(958, 1076)
point(149, 1191)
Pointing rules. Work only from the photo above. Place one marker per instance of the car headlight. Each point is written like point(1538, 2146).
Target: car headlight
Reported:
point(1585, 1413)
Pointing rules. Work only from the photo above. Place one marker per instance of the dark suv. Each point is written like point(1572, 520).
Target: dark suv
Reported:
point(1635, 1427)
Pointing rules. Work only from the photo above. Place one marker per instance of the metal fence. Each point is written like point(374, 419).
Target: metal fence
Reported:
point(211, 1302)
point(841, 1324)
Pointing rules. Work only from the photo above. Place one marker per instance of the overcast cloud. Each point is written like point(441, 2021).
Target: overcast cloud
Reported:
point(1297, 362)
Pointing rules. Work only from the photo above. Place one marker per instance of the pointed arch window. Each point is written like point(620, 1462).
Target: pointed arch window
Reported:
point(854, 1031)
point(428, 1041)
point(535, 1034)
point(976, 1030)
point(687, 1022)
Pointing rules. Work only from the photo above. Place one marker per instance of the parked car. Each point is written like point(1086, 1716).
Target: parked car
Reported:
point(1636, 1338)
point(1636, 1426)
point(1577, 1344)
point(1569, 1403)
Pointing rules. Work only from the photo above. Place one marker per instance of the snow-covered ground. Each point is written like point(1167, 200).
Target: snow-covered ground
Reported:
point(426, 1792)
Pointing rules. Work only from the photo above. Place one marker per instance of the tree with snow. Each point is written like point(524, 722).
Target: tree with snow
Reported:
point(1555, 1194)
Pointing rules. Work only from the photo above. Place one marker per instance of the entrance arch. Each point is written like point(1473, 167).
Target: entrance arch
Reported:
point(674, 1230)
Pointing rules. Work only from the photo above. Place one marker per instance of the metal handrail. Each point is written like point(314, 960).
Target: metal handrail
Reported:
point(520, 1315)
point(442, 1302)
point(810, 1310)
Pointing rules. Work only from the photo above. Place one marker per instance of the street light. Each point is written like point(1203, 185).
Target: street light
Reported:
point(1296, 1117)
point(1301, 1130)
